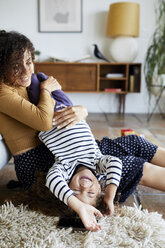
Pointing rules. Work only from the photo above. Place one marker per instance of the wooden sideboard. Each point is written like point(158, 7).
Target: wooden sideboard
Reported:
point(118, 78)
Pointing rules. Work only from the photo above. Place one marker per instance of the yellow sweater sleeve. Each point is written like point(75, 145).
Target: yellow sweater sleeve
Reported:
point(15, 103)
point(20, 120)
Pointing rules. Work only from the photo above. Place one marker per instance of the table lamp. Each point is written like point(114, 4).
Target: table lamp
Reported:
point(123, 27)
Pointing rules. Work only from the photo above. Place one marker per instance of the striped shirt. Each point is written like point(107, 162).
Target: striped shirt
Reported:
point(72, 147)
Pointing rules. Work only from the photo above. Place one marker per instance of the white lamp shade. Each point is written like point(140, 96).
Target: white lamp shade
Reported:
point(123, 49)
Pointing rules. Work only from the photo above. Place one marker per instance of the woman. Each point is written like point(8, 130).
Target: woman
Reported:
point(20, 121)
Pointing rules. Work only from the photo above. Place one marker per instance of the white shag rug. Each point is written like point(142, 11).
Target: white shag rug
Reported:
point(129, 228)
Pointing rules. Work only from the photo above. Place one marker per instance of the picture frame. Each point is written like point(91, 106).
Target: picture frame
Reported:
point(60, 16)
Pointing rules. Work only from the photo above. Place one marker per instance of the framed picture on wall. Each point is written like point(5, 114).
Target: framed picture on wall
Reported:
point(60, 15)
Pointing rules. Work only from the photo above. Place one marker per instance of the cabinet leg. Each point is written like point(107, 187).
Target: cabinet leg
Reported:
point(120, 104)
point(122, 99)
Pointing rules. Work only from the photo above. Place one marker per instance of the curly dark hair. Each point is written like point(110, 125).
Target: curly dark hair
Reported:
point(12, 48)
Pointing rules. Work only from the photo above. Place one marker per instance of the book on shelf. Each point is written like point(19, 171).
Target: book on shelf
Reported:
point(131, 83)
point(112, 90)
point(114, 75)
point(62, 59)
point(135, 72)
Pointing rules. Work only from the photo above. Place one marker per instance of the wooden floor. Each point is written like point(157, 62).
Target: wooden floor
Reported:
point(110, 125)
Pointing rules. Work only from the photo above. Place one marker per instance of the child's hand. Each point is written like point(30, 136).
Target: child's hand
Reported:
point(110, 206)
point(109, 198)
point(50, 84)
point(88, 215)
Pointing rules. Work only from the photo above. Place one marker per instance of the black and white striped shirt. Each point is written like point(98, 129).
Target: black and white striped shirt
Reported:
point(72, 147)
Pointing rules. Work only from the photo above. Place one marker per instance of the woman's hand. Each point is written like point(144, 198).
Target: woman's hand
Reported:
point(69, 116)
point(50, 84)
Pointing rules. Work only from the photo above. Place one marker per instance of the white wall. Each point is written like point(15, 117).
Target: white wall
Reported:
point(22, 16)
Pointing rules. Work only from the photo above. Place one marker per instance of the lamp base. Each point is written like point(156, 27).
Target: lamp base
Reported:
point(123, 49)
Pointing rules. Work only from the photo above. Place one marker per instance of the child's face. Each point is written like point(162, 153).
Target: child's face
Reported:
point(85, 185)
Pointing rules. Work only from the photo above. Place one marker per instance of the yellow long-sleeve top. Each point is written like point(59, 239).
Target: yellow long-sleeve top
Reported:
point(20, 120)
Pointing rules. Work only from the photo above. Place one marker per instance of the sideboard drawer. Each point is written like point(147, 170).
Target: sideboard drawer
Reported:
point(72, 77)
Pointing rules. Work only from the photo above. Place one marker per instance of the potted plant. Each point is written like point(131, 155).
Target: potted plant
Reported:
point(37, 55)
point(154, 66)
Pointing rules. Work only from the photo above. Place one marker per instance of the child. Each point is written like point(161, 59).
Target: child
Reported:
point(79, 163)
